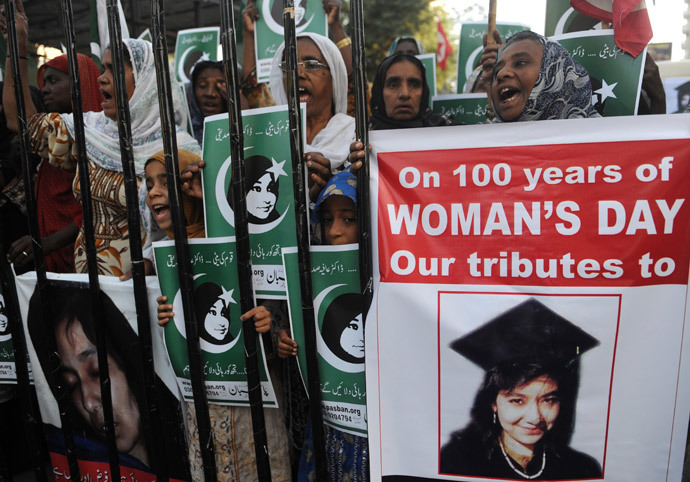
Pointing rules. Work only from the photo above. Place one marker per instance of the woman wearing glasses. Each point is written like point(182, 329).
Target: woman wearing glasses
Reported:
point(322, 84)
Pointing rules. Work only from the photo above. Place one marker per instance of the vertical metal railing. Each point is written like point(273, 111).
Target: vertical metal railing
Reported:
point(185, 272)
point(362, 135)
point(90, 238)
point(51, 353)
point(244, 260)
point(302, 220)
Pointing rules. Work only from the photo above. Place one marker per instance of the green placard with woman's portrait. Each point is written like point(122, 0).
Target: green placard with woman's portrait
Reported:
point(217, 308)
point(269, 190)
point(7, 368)
point(268, 32)
point(340, 333)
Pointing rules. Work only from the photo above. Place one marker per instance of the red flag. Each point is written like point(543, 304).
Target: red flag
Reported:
point(631, 27)
point(443, 48)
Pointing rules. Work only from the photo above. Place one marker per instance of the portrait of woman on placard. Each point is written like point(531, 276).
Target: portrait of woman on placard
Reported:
point(300, 12)
point(343, 329)
point(262, 185)
point(4, 320)
point(75, 337)
point(523, 415)
point(212, 304)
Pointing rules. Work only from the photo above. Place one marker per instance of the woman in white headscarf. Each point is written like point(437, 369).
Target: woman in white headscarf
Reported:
point(52, 137)
point(322, 84)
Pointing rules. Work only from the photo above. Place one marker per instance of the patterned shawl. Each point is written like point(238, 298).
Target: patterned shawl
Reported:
point(562, 89)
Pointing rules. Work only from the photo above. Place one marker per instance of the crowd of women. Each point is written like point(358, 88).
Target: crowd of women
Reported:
point(527, 78)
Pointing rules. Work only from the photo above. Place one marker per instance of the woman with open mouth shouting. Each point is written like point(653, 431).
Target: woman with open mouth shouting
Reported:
point(536, 79)
point(52, 136)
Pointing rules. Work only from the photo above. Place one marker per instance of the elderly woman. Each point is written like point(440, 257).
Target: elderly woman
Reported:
point(400, 95)
point(322, 84)
point(536, 79)
point(524, 412)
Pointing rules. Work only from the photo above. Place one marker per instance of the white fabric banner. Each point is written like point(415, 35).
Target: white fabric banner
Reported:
point(530, 301)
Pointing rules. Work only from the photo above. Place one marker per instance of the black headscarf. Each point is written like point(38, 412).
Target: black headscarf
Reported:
point(379, 119)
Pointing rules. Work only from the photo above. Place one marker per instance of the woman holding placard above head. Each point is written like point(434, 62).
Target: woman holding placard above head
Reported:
point(524, 412)
point(52, 136)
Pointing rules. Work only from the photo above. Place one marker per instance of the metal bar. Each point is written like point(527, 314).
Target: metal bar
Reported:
point(185, 271)
point(302, 220)
point(244, 259)
point(362, 135)
point(25, 394)
point(52, 374)
point(90, 238)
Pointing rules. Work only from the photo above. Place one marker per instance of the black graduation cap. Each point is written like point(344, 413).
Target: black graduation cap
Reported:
point(684, 87)
point(528, 332)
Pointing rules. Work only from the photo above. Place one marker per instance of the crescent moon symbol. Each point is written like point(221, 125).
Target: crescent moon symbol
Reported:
point(180, 66)
point(264, 228)
point(560, 26)
point(222, 195)
point(275, 26)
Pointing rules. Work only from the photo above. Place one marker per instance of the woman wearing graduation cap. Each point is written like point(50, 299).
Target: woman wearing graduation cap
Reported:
point(524, 412)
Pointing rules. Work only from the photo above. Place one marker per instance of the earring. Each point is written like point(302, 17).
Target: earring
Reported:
point(495, 418)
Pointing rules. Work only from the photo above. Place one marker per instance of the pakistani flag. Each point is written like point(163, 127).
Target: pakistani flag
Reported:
point(100, 36)
point(616, 76)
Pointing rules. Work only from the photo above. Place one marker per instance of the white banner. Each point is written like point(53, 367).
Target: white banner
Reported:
point(530, 301)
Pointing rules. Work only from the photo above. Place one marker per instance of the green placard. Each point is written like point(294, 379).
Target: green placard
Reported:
point(429, 62)
point(463, 108)
point(146, 35)
point(270, 194)
point(268, 34)
point(616, 76)
point(340, 333)
point(562, 18)
point(217, 305)
point(7, 367)
point(193, 45)
point(470, 48)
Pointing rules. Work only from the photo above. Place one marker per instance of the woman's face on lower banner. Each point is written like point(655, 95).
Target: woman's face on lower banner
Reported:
point(81, 374)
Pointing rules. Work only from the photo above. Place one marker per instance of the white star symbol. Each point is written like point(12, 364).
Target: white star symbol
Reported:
point(204, 56)
point(606, 90)
point(277, 169)
point(226, 296)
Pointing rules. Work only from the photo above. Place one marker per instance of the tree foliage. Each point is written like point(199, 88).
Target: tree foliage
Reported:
point(384, 20)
